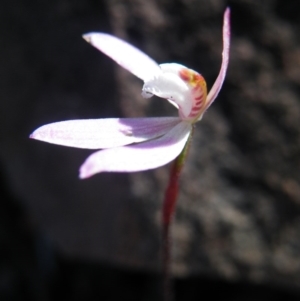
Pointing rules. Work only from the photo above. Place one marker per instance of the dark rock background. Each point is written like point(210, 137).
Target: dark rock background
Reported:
point(236, 233)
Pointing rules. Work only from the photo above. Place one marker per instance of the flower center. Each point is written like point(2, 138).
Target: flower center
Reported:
point(183, 87)
point(197, 85)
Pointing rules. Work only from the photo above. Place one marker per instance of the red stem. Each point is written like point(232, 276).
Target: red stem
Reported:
point(169, 206)
point(168, 213)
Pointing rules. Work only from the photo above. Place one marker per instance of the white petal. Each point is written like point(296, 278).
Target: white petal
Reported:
point(170, 86)
point(104, 133)
point(123, 53)
point(138, 157)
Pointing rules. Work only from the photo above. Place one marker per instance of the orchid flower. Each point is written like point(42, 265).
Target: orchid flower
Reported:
point(136, 144)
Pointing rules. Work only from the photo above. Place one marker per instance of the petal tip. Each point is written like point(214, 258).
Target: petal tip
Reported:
point(86, 170)
point(227, 11)
point(83, 173)
point(82, 176)
point(227, 20)
point(87, 37)
point(35, 135)
point(41, 133)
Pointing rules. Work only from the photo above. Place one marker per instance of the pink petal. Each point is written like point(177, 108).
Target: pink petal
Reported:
point(213, 93)
point(126, 55)
point(104, 133)
point(138, 157)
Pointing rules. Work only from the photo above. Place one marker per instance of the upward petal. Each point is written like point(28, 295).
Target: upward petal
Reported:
point(213, 93)
point(126, 55)
point(104, 133)
point(138, 157)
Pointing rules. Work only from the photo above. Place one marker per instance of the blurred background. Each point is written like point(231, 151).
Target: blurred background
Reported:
point(237, 224)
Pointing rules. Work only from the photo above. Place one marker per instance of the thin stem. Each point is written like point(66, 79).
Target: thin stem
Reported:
point(169, 206)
